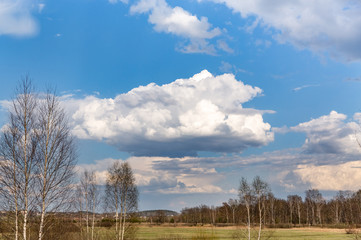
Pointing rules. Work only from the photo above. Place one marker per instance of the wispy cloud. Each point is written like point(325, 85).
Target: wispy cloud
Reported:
point(116, 1)
point(221, 44)
point(305, 86)
point(226, 67)
point(353, 79)
point(41, 7)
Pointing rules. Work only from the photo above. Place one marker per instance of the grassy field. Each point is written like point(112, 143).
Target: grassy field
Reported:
point(163, 232)
point(166, 232)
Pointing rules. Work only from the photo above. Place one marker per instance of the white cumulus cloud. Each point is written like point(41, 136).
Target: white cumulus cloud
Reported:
point(319, 25)
point(345, 176)
point(202, 113)
point(179, 22)
point(16, 18)
point(330, 134)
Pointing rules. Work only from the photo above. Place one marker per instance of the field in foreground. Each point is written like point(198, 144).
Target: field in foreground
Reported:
point(167, 232)
point(163, 232)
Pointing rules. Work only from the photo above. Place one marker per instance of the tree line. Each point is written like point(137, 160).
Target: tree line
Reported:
point(256, 205)
point(37, 176)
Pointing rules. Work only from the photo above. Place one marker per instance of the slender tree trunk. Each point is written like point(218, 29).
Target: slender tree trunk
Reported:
point(260, 219)
point(16, 204)
point(248, 222)
point(120, 222)
point(41, 228)
point(93, 223)
point(25, 222)
point(299, 214)
point(87, 214)
point(26, 182)
point(124, 216)
point(233, 217)
point(16, 224)
point(116, 218)
point(336, 213)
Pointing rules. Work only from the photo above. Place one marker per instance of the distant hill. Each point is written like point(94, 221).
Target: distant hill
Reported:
point(155, 213)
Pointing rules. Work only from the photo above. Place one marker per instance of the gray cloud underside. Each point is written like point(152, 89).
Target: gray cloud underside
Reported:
point(202, 113)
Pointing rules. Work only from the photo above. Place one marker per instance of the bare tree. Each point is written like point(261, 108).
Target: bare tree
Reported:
point(122, 195)
point(85, 185)
point(55, 157)
point(79, 206)
point(246, 197)
point(298, 202)
point(261, 190)
point(271, 203)
point(315, 200)
point(18, 147)
point(38, 157)
point(233, 204)
point(93, 200)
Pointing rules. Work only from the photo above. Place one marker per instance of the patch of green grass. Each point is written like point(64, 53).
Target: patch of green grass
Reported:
point(164, 232)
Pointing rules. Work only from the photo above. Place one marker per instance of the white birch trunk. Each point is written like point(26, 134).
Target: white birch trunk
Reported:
point(124, 216)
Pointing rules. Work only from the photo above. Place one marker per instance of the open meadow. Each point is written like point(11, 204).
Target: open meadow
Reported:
point(182, 232)
point(146, 232)
point(166, 232)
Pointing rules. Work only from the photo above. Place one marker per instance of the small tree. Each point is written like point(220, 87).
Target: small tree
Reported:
point(233, 204)
point(261, 190)
point(121, 196)
point(85, 186)
point(246, 197)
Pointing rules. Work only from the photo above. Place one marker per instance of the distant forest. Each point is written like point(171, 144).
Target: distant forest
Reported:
point(343, 209)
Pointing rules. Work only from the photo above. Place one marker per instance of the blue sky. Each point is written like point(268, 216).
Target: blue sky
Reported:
point(197, 94)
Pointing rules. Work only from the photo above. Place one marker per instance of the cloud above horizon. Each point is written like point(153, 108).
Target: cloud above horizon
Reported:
point(16, 18)
point(331, 28)
point(201, 113)
point(331, 134)
point(163, 175)
point(344, 176)
point(182, 23)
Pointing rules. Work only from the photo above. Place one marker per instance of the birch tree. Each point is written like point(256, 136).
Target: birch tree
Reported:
point(18, 148)
point(37, 158)
point(122, 196)
point(233, 203)
point(85, 185)
point(261, 190)
point(245, 194)
point(55, 158)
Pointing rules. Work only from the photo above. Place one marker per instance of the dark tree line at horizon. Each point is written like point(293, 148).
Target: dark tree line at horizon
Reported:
point(344, 209)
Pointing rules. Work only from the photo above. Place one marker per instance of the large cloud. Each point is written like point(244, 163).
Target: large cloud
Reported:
point(179, 22)
point(16, 18)
point(321, 26)
point(345, 176)
point(202, 113)
point(330, 134)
